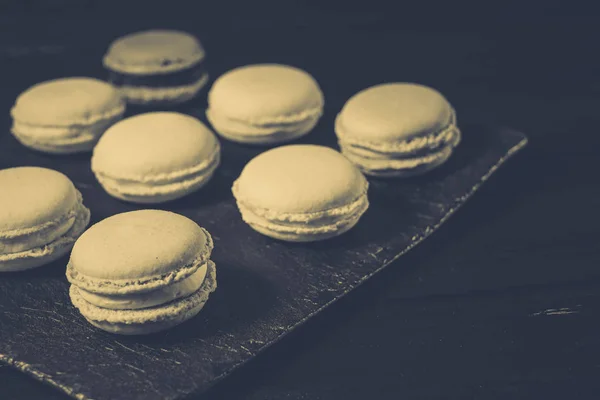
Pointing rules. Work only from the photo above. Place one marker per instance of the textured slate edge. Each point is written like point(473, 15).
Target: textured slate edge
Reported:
point(458, 202)
point(40, 376)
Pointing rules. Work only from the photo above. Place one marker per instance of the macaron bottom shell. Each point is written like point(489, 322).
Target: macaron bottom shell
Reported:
point(306, 235)
point(148, 95)
point(378, 164)
point(149, 193)
point(249, 133)
point(147, 320)
point(307, 227)
point(49, 252)
point(76, 139)
point(399, 167)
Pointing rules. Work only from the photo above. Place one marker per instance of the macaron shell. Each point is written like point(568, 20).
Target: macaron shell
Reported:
point(68, 101)
point(392, 112)
point(401, 167)
point(41, 237)
point(147, 320)
point(265, 93)
point(299, 179)
point(306, 235)
point(139, 244)
point(146, 328)
point(245, 132)
point(61, 140)
point(154, 298)
point(153, 51)
point(153, 143)
point(149, 193)
point(43, 255)
point(32, 196)
point(303, 227)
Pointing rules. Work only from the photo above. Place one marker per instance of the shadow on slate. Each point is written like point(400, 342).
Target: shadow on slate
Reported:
point(265, 288)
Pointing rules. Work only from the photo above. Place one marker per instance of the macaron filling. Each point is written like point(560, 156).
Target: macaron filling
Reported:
point(18, 240)
point(153, 298)
point(305, 224)
point(403, 147)
point(142, 284)
point(162, 183)
point(54, 137)
point(182, 77)
point(180, 309)
point(276, 129)
point(406, 164)
point(158, 95)
point(309, 223)
point(410, 156)
point(76, 228)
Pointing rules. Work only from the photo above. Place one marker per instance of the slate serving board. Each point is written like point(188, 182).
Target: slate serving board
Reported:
point(266, 288)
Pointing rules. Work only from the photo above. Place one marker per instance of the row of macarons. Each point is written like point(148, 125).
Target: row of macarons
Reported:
point(296, 193)
point(393, 129)
point(148, 270)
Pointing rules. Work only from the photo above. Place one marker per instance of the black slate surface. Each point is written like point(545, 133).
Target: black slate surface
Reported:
point(266, 288)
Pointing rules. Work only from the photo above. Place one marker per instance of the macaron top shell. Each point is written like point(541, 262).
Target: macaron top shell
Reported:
point(32, 196)
point(138, 245)
point(392, 112)
point(299, 179)
point(154, 143)
point(153, 51)
point(68, 101)
point(264, 93)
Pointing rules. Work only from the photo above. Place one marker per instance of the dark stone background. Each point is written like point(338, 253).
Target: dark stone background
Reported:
point(500, 303)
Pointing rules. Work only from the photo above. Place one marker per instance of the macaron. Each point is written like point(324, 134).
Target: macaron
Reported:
point(157, 67)
point(301, 193)
point(66, 115)
point(264, 104)
point(41, 216)
point(141, 272)
point(397, 129)
point(155, 157)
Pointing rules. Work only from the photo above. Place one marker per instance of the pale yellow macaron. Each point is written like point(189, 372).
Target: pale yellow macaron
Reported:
point(301, 193)
point(66, 115)
point(41, 216)
point(155, 157)
point(141, 272)
point(397, 129)
point(264, 104)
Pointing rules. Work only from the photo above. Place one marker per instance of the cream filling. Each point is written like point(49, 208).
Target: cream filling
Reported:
point(425, 143)
point(57, 138)
point(156, 297)
point(81, 221)
point(249, 132)
point(157, 185)
point(143, 284)
point(329, 221)
point(146, 94)
point(75, 125)
point(453, 141)
point(16, 240)
point(310, 113)
point(145, 315)
point(164, 177)
point(370, 164)
point(309, 217)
